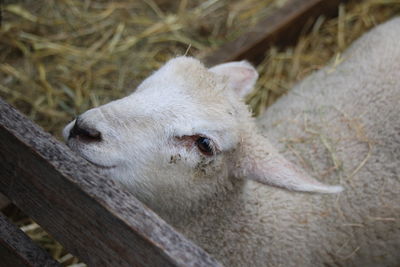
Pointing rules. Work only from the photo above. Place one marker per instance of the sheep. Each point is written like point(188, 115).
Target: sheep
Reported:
point(186, 145)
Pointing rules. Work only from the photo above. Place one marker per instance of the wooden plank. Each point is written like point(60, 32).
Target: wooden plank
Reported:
point(281, 28)
point(90, 215)
point(17, 249)
point(4, 202)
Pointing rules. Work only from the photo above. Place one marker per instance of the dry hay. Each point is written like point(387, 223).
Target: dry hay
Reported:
point(59, 58)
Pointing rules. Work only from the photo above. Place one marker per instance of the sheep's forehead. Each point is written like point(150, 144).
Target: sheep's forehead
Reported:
point(190, 70)
point(176, 106)
point(183, 87)
point(186, 77)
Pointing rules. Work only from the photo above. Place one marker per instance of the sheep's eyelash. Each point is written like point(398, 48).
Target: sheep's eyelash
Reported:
point(190, 140)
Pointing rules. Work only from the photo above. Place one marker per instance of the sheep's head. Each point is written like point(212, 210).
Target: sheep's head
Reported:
point(184, 136)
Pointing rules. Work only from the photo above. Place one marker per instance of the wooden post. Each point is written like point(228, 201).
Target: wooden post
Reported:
point(93, 217)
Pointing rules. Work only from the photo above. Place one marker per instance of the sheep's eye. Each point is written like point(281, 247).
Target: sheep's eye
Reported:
point(205, 146)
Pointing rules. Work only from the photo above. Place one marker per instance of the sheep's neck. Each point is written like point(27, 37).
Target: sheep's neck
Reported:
point(214, 216)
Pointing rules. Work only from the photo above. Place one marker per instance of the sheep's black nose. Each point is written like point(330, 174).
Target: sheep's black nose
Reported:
point(84, 133)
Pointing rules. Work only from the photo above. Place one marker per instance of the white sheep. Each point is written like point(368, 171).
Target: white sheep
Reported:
point(185, 144)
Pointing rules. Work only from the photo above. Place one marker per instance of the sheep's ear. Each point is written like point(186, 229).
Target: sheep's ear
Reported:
point(260, 162)
point(241, 76)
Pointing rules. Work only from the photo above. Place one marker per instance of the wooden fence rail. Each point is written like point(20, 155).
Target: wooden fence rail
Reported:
point(17, 249)
point(280, 29)
point(90, 215)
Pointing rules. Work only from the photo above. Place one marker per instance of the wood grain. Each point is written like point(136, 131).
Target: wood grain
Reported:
point(17, 249)
point(93, 217)
point(280, 29)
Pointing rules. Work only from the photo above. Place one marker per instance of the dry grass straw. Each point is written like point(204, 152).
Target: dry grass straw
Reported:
point(59, 58)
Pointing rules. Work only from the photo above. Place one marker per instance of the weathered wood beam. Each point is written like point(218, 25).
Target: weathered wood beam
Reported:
point(282, 28)
point(17, 249)
point(93, 217)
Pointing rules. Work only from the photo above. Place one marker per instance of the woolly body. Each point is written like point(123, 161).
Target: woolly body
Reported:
point(341, 124)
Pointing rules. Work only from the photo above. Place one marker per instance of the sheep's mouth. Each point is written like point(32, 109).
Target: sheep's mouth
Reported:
point(99, 165)
point(77, 149)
